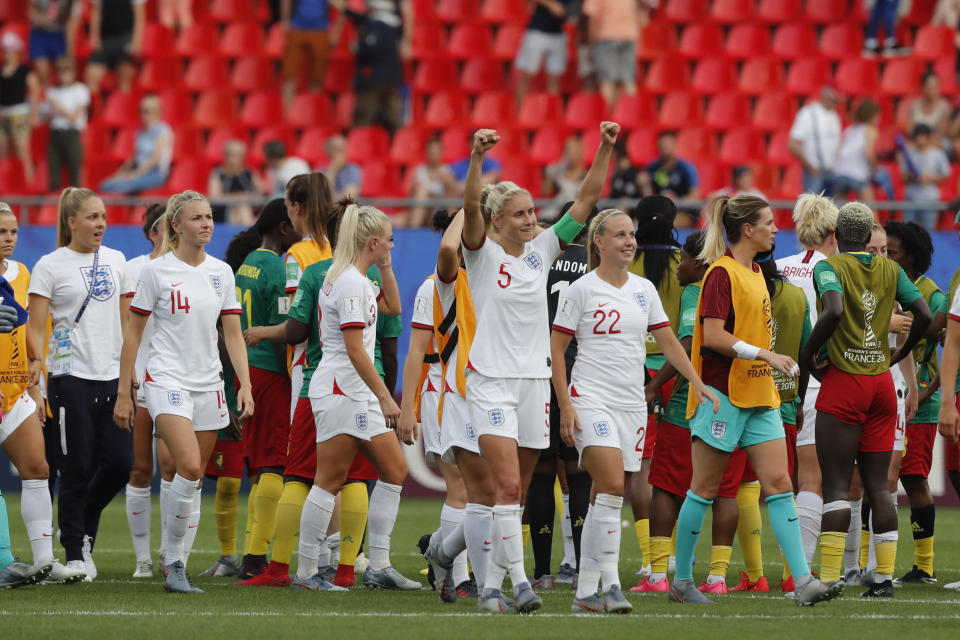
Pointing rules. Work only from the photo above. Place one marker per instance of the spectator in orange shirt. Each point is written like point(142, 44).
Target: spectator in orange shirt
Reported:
point(613, 27)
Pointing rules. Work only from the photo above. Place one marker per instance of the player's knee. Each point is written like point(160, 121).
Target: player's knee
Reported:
point(509, 492)
point(141, 473)
point(780, 483)
point(190, 470)
point(35, 470)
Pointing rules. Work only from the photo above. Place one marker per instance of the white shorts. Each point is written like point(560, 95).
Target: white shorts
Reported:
point(456, 430)
point(517, 408)
point(17, 415)
point(538, 48)
point(296, 385)
point(608, 427)
point(337, 414)
point(207, 410)
point(901, 430)
point(429, 425)
point(808, 435)
point(141, 397)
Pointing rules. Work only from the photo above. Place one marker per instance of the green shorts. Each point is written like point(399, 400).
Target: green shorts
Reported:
point(732, 426)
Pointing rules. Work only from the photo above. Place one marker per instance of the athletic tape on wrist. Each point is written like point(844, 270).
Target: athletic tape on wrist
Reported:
point(746, 351)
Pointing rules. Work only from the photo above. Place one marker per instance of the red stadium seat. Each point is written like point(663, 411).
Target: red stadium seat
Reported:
point(841, 41)
point(308, 109)
point(262, 109)
point(481, 75)
point(381, 179)
point(748, 41)
point(807, 76)
point(122, 146)
point(159, 74)
point(732, 11)
point(659, 38)
point(492, 110)
point(585, 111)
point(196, 40)
point(429, 41)
point(424, 10)
point(901, 76)
point(700, 40)
point(856, 76)
point(635, 111)
point(934, 42)
point(525, 174)
point(343, 110)
point(435, 75)
point(215, 108)
point(122, 110)
point(685, 11)
point(235, 10)
point(713, 74)
point(205, 72)
point(696, 143)
point(712, 175)
point(213, 149)
point(641, 147)
point(457, 11)
point(469, 40)
point(667, 74)
point(13, 10)
point(503, 11)
point(507, 41)
point(457, 143)
point(241, 39)
point(446, 109)
point(367, 142)
point(539, 110)
point(946, 71)
point(96, 139)
point(513, 144)
point(176, 107)
point(826, 11)
point(547, 146)
point(310, 147)
point(253, 74)
point(157, 41)
point(727, 110)
point(792, 185)
point(774, 112)
point(255, 156)
point(339, 77)
point(779, 11)
point(47, 214)
point(276, 42)
point(741, 146)
point(187, 142)
point(407, 146)
point(794, 41)
point(760, 76)
point(188, 173)
point(680, 109)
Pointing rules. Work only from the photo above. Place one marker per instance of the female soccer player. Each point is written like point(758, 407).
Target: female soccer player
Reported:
point(948, 421)
point(21, 429)
point(856, 408)
point(507, 379)
point(731, 350)
point(187, 292)
point(352, 407)
point(82, 286)
point(610, 311)
point(910, 246)
point(815, 217)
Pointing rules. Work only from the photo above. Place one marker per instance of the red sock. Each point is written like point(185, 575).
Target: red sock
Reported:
point(345, 576)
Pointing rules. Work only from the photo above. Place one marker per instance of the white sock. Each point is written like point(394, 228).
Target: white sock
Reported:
point(810, 510)
point(851, 550)
point(384, 505)
point(37, 512)
point(180, 503)
point(477, 520)
point(192, 527)
point(453, 544)
point(566, 526)
point(588, 579)
point(508, 543)
point(449, 519)
point(164, 510)
point(138, 518)
point(606, 520)
point(327, 547)
point(314, 520)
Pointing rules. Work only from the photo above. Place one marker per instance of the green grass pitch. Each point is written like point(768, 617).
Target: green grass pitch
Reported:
point(117, 604)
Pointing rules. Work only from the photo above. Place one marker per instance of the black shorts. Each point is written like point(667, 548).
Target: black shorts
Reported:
point(113, 51)
point(558, 448)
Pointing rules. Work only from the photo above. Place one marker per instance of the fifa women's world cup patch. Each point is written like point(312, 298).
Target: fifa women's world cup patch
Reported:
point(496, 417)
point(602, 428)
point(534, 261)
point(718, 428)
point(217, 283)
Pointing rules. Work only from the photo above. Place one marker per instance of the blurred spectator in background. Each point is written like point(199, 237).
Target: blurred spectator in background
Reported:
point(175, 12)
point(563, 178)
point(345, 177)
point(52, 25)
point(66, 107)
point(281, 167)
point(883, 12)
point(384, 41)
point(116, 36)
point(857, 165)
point(947, 13)
point(669, 175)
point(741, 183)
point(815, 141)
point(490, 168)
point(434, 179)
point(614, 27)
point(234, 180)
point(306, 23)
point(924, 165)
point(18, 89)
point(930, 108)
point(544, 46)
point(626, 178)
point(152, 153)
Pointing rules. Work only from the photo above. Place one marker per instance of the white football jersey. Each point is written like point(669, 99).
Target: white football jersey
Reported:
point(423, 319)
point(510, 300)
point(954, 312)
point(899, 382)
point(350, 302)
point(134, 267)
point(798, 270)
point(611, 327)
point(185, 302)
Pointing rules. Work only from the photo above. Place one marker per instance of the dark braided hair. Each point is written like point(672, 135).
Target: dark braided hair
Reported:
point(441, 220)
point(771, 275)
point(654, 216)
point(916, 242)
point(244, 243)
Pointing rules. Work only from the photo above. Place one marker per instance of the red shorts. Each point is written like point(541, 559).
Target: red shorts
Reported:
point(671, 469)
point(226, 461)
point(870, 401)
point(952, 451)
point(302, 445)
point(918, 450)
point(361, 469)
point(652, 427)
point(267, 431)
point(790, 434)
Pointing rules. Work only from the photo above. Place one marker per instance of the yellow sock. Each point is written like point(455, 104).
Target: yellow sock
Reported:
point(251, 518)
point(643, 538)
point(887, 557)
point(354, 504)
point(923, 553)
point(831, 555)
point(269, 489)
point(558, 499)
point(673, 540)
point(864, 549)
point(288, 520)
point(720, 560)
point(750, 529)
point(225, 514)
point(659, 554)
point(525, 529)
point(786, 575)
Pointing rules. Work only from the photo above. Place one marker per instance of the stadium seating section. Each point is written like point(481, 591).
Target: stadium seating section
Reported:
point(729, 75)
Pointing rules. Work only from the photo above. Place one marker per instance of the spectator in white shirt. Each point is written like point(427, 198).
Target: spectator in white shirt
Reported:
point(66, 107)
point(924, 166)
point(281, 167)
point(815, 141)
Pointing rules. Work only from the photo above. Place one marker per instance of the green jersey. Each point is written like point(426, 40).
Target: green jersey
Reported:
point(791, 328)
point(925, 353)
point(859, 344)
point(261, 290)
point(230, 393)
point(669, 291)
point(676, 410)
point(387, 326)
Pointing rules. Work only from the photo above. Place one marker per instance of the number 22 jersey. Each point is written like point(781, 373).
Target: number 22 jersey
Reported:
point(185, 302)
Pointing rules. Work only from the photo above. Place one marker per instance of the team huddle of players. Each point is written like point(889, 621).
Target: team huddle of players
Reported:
point(813, 378)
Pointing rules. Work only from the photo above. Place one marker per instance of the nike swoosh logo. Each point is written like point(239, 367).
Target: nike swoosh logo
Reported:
point(487, 542)
point(182, 517)
point(791, 519)
point(177, 284)
point(136, 513)
point(611, 531)
point(48, 535)
point(192, 526)
point(693, 533)
point(603, 304)
point(223, 415)
point(508, 537)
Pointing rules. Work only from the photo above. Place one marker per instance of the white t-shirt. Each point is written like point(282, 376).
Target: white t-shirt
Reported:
point(899, 382)
point(64, 277)
point(798, 270)
point(68, 99)
point(611, 326)
point(350, 302)
point(818, 132)
point(279, 177)
point(954, 312)
point(134, 267)
point(423, 319)
point(510, 300)
point(186, 302)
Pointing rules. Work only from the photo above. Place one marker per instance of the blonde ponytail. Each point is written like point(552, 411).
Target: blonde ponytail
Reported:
point(357, 225)
point(175, 205)
point(726, 214)
point(494, 196)
point(71, 199)
point(596, 228)
point(713, 244)
point(815, 218)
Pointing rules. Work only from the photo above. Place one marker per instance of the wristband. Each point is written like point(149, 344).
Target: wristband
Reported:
point(746, 351)
point(567, 228)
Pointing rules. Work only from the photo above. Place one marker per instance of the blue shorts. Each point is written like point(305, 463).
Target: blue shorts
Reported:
point(732, 426)
point(47, 44)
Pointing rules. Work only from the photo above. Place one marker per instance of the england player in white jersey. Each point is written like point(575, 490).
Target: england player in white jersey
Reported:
point(353, 409)
point(815, 217)
point(610, 311)
point(186, 291)
point(508, 376)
